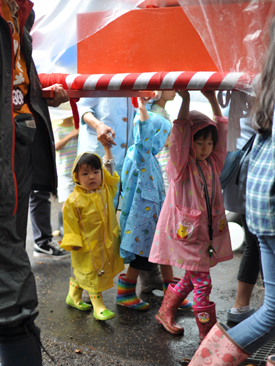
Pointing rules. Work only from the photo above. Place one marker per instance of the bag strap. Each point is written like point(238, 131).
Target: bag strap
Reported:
point(247, 148)
point(249, 143)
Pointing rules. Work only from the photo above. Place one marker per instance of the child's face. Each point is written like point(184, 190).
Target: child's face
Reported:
point(89, 177)
point(168, 95)
point(203, 147)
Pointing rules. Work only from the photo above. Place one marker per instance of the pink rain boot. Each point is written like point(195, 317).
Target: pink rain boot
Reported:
point(168, 309)
point(218, 348)
point(205, 318)
point(186, 304)
point(270, 360)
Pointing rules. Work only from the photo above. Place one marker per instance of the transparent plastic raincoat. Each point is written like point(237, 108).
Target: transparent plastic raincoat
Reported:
point(90, 223)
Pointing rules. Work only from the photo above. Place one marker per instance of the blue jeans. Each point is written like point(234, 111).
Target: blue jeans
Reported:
point(252, 333)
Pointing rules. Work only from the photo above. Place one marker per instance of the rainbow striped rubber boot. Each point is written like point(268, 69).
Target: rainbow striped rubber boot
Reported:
point(126, 294)
point(186, 304)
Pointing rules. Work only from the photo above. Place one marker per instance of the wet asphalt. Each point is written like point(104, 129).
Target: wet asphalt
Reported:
point(134, 338)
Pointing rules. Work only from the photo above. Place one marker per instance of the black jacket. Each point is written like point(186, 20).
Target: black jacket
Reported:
point(18, 299)
point(43, 151)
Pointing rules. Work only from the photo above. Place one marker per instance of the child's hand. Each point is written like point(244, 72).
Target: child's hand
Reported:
point(183, 93)
point(105, 135)
point(156, 96)
point(142, 102)
point(75, 248)
point(209, 94)
point(109, 141)
point(142, 110)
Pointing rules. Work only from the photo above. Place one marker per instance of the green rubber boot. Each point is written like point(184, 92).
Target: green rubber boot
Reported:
point(100, 312)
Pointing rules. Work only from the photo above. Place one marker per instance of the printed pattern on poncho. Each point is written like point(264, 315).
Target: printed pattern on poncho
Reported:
point(142, 186)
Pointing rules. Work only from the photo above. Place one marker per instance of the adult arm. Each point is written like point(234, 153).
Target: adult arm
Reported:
point(103, 131)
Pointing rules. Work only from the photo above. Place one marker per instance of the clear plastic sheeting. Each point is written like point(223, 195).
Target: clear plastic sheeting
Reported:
point(234, 32)
point(236, 35)
point(55, 30)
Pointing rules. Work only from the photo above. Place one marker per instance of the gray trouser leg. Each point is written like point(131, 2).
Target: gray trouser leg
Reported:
point(150, 280)
point(40, 214)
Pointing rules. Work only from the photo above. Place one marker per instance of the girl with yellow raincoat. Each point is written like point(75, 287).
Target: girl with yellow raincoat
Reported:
point(91, 231)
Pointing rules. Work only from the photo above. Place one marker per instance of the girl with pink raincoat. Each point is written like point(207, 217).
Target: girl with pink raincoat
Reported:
point(192, 231)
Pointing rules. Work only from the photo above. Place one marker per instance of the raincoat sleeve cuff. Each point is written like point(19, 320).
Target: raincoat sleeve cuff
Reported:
point(109, 165)
point(183, 120)
point(220, 119)
point(71, 240)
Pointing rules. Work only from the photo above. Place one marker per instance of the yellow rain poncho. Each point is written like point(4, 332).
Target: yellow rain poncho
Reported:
point(90, 222)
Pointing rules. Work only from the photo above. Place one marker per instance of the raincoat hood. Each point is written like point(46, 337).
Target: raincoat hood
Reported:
point(162, 129)
point(199, 121)
point(73, 173)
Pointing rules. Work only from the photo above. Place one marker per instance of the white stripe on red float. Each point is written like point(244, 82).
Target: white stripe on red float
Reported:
point(142, 80)
point(70, 79)
point(116, 81)
point(160, 81)
point(230, 79)
point(199, 80)
point(169, 79)
point(91, 81)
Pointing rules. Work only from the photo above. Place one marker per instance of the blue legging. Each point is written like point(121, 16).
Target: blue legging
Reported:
point(259, 328)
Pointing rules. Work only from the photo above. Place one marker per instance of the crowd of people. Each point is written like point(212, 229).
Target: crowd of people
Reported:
point(162, 176)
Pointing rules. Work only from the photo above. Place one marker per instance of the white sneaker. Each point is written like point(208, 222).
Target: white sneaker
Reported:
point(51, 249)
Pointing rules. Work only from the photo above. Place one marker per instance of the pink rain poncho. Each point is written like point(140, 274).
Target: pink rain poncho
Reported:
point(182, 237)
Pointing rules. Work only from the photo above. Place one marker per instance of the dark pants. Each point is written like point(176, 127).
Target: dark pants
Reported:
point(142, 263)
point(22, 350)
point(251, 259)
point(19, 345)
point(40, 214)
point(23, 172)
